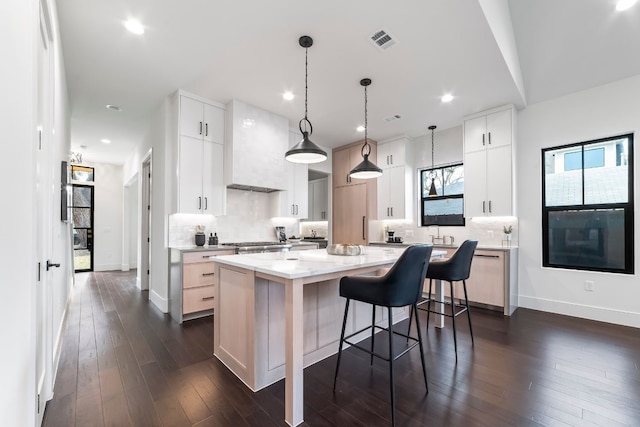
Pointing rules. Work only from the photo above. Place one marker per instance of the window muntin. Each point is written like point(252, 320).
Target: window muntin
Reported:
point(588, 205)
point(447, 207)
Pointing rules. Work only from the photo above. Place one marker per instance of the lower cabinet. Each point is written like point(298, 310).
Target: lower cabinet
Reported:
point(492, 282)
point(192, 283)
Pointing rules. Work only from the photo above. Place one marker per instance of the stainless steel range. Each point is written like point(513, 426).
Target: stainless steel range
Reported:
point(258, 247)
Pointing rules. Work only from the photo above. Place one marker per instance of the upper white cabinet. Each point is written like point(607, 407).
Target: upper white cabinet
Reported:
point(200, 156)
point(294, 201)
point(201, 120)
point(488, 163)
point(392, 153)
point(255, 145)
point(319, 199)
point(395, 186)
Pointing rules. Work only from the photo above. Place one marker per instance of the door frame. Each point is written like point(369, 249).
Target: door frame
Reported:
point(92, 250)
point(144, 261)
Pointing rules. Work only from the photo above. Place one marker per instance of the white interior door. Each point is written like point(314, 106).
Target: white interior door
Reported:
point(44, 200)
point(145, 255)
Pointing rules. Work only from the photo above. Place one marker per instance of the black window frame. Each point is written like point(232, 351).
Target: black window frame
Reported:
point(421, 174)
point(628, 208)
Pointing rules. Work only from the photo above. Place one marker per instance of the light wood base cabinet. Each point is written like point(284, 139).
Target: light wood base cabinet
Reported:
point(192, 283)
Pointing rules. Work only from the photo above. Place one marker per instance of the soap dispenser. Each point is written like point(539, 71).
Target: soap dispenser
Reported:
point(211, 241)
point(215, 239)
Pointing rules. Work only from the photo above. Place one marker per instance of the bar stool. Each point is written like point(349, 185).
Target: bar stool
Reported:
point(455, 269)
point(401, 286)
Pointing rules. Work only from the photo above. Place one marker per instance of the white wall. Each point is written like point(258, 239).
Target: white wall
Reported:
point(599, 112)
point(18, 259)
point(155, 144)
point(108, 221)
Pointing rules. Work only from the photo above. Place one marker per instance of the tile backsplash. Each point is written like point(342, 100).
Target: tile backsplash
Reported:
point(247, 219)
point(488, 231)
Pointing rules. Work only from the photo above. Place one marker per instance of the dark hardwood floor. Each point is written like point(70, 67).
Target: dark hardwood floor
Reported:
point(124, 363)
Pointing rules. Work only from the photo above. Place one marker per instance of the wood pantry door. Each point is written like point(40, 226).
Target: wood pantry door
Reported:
point(350, 214)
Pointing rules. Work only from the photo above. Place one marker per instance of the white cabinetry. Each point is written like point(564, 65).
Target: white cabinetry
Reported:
point(256, 141)
point(395, 186)
point(319, 199)
point(200, 157)
point(488, 163)
point(294, 201)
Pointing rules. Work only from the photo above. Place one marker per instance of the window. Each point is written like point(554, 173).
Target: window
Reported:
point(587, 206)
point(447, 206)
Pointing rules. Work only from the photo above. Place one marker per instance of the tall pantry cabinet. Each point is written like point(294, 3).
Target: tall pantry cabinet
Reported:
point(354, 200)
point(198, 154)
point(488, 163)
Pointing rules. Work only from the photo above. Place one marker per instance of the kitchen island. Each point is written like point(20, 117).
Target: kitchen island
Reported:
point(276, 313)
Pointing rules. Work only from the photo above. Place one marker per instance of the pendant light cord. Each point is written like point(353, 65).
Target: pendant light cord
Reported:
point(366, 126)
point(306, 86)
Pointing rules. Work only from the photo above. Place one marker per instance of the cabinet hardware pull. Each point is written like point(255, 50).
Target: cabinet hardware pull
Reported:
point(486, 256)
point(206, 203)
point(484, 206)
point(199, 203)
point(387, 211)
point(489, 206)
point(207, 256)
point(391, 158)
point(391, 210)
point(364, 218)
point(200, 128)
point(206, 129)
point(208, 274)
point(296, 209)
point(207, 298)
point(483, 139)
point(489, 138)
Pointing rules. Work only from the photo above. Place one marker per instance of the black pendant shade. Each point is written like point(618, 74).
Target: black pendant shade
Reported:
point(305, 151)
point(366, 169)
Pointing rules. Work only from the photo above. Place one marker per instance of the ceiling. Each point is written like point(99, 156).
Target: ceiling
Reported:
point(248, 50)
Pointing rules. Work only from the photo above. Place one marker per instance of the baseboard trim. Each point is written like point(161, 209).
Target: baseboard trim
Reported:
point(158, 301)
point(107, 267)
point(600, 314)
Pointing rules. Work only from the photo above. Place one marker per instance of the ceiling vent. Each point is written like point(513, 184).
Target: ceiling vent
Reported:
point(392, 118)
point(383, 40)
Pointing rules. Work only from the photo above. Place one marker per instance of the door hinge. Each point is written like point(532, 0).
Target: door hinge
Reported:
point(148, 239)
point(39, 271)
point(148, 207)
point(38, 403)
point(147, 271)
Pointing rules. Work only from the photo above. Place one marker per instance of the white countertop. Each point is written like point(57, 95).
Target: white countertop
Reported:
point(294, 265)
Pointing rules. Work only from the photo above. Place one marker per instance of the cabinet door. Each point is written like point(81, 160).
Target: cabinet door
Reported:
point(475, 184)
point(395, 150)
point(384, 155)
point(396, 192)
point(213, 124)
point(499, 129)
point(350, 221)
point(321, 199)
point(474, 135)
point(300, 189)
point(212, 179)
point(384, 202)
point(486, 281)
point(498, 173)
point(341, 167)
point(190, 176)
point(191, 117)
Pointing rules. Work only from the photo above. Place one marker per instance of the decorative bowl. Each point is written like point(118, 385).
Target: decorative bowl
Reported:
point(345, 249)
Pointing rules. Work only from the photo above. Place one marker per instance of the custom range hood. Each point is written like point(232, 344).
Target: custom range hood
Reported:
point(254, 143)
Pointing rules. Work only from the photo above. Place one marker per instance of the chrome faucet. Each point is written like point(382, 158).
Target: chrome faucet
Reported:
point(438, 238)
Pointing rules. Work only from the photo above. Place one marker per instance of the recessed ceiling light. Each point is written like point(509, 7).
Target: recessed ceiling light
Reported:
point(360, 128)
point(288, 96)
point(624, 4)
point(447, 98)
point(134, 26)
point(113, 107)
point(106, 141)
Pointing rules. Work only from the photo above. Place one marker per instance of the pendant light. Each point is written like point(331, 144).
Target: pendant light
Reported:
point(366, 169)
point(432, 189)
point(305, 151)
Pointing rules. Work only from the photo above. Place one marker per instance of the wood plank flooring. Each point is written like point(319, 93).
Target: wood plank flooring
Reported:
point(124, 363)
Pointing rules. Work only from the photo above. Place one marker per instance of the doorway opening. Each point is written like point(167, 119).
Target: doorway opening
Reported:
point(82, 213)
